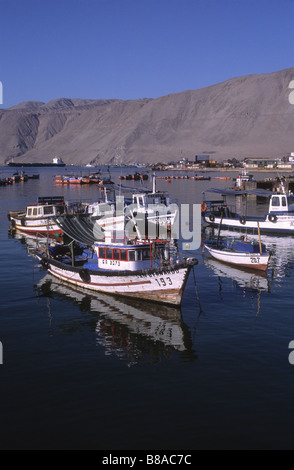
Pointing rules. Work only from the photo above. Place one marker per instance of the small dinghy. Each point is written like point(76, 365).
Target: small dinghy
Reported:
point(240, 252)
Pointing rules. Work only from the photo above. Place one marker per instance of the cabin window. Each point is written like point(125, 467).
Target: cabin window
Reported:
point(284, 202)
point(35, 211)
point(109, 253)
point(146, 254)
point(123, 255)
point(115, 253)
point(30, 211)
point(132, 255)
point(101, 252)
point(48, 210)
point(275, 201)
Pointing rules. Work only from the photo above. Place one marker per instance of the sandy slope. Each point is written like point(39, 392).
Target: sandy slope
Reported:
point(244, 116)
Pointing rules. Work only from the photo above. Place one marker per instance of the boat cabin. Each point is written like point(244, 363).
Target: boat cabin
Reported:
point(278, 203)
point(127, 257)
point(46, 207)
point(142, 200)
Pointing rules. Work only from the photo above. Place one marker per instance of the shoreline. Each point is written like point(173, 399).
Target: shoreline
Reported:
point(236, 170)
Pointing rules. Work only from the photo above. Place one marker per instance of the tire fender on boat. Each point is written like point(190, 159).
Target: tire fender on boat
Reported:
point(242, 220)
point(211, 218)
point(85, 275)
point(44, 264)
point(272, 217)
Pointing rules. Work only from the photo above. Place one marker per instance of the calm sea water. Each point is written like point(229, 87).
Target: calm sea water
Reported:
point(83, 371)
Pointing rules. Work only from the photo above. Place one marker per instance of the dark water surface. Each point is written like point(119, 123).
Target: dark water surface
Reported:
point(85, 371)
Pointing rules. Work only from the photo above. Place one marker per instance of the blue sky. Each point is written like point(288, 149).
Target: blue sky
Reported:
point(131, 49)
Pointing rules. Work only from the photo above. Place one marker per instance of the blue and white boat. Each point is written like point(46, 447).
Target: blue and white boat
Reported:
point(131, 268)
point(278, 220)
point(239, 252)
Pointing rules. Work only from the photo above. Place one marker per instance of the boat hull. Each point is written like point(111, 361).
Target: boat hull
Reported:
point(281, 225)
point(163, 285)
point(41, 226)
point(242, 259)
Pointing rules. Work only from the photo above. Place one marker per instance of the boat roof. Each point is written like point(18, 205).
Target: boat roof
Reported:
point(50, 200)
point(231, 192)
point(122, 244)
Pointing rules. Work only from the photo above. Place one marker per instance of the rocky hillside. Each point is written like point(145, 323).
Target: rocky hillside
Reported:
point(244, 116)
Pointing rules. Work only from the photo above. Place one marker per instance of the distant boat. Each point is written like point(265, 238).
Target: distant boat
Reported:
point(56, 162)
point(200, 178)
point(70, 179)
point(136, 177)
point(224, 178)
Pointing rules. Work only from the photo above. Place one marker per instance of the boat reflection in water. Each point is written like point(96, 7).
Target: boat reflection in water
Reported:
point(128, 329)
point(280, 247)
point(245, 278)
point(249, 281)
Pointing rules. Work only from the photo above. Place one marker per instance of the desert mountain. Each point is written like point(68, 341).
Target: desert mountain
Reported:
point(247, 116)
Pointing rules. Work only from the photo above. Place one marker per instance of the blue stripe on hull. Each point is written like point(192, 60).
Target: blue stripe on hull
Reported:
point(243, 228)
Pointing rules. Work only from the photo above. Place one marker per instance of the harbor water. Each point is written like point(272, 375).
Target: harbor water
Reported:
point(91, 372)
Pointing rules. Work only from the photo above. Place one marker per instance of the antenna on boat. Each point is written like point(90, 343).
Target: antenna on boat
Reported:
point(154, 183)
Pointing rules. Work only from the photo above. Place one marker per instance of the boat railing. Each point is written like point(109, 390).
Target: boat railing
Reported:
point(135, 240)
point(220, 208)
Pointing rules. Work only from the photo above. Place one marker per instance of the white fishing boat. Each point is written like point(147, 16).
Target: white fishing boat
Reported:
point(39, 218)
point(138, 269)
point(146, 206)
point(242, 179)
point(239, 252)
point(156, 205)
point(278, 220)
